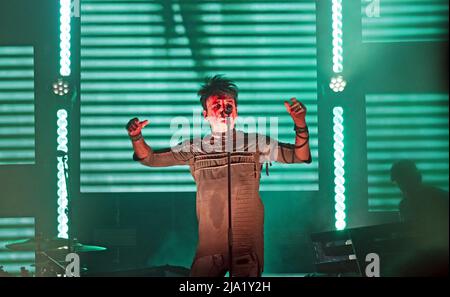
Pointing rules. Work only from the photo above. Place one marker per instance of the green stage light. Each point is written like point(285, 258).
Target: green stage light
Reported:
point(60, 87)
point(339, 180)
point(62, 148)
point(64, 34)
point(337, 83)
point(338, 52)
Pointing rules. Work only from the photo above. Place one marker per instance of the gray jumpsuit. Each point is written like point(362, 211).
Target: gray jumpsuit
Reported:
point(207, 159)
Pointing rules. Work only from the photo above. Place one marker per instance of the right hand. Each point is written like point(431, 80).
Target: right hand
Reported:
point(134, 126)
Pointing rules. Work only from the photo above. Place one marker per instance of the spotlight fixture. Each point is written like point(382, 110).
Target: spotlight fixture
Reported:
point(338, 83)
point(61, 87)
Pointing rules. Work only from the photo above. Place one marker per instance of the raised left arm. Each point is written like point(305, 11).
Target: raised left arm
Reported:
point(297, 111)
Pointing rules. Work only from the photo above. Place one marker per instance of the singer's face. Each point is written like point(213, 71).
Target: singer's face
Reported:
point(215, 112)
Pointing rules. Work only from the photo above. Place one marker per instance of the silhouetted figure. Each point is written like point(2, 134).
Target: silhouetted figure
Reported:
point(426, 209)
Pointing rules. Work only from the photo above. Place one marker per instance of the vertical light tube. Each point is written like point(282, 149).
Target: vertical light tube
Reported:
point(338, 51)
point(64, 37)
point(339, 180)
point(62, 186)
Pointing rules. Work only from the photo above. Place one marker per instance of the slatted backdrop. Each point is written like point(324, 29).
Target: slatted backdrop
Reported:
point(17, 131)
point(148, 59)
point(13, 230)
point(405, 126)
point(404, 20)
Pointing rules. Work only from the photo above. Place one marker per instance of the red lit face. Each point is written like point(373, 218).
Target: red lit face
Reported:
point(215, 112)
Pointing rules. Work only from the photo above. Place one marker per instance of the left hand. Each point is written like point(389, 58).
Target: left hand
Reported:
point(297, 111)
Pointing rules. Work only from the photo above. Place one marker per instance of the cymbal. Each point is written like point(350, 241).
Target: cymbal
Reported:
point(23, 245)
point(80, 248)
point(33, 244)
point(52, 245)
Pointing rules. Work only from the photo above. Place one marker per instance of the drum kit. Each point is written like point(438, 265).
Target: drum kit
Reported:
point(50, 254)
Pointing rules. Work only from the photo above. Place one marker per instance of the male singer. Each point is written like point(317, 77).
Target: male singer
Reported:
point(208, 159)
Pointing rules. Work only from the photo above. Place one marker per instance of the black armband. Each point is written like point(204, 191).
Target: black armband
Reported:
point(136, 138)
point(300, 129)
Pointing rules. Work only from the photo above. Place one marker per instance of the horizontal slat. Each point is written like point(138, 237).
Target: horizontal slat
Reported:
point(405, 20)
point(132, 64)
point(397, 130)
point(13, 229)
point(17, 129)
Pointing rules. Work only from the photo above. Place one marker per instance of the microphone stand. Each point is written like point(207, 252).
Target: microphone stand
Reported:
point(65, 159)
point(230, 229)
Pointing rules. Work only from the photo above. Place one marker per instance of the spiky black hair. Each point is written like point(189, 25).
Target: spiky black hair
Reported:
point(215, 86)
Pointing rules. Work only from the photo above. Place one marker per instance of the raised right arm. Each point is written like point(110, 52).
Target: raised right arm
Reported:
point(146, 155)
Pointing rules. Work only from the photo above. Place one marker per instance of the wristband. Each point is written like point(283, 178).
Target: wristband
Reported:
point(300, 129)
point(136, 138)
